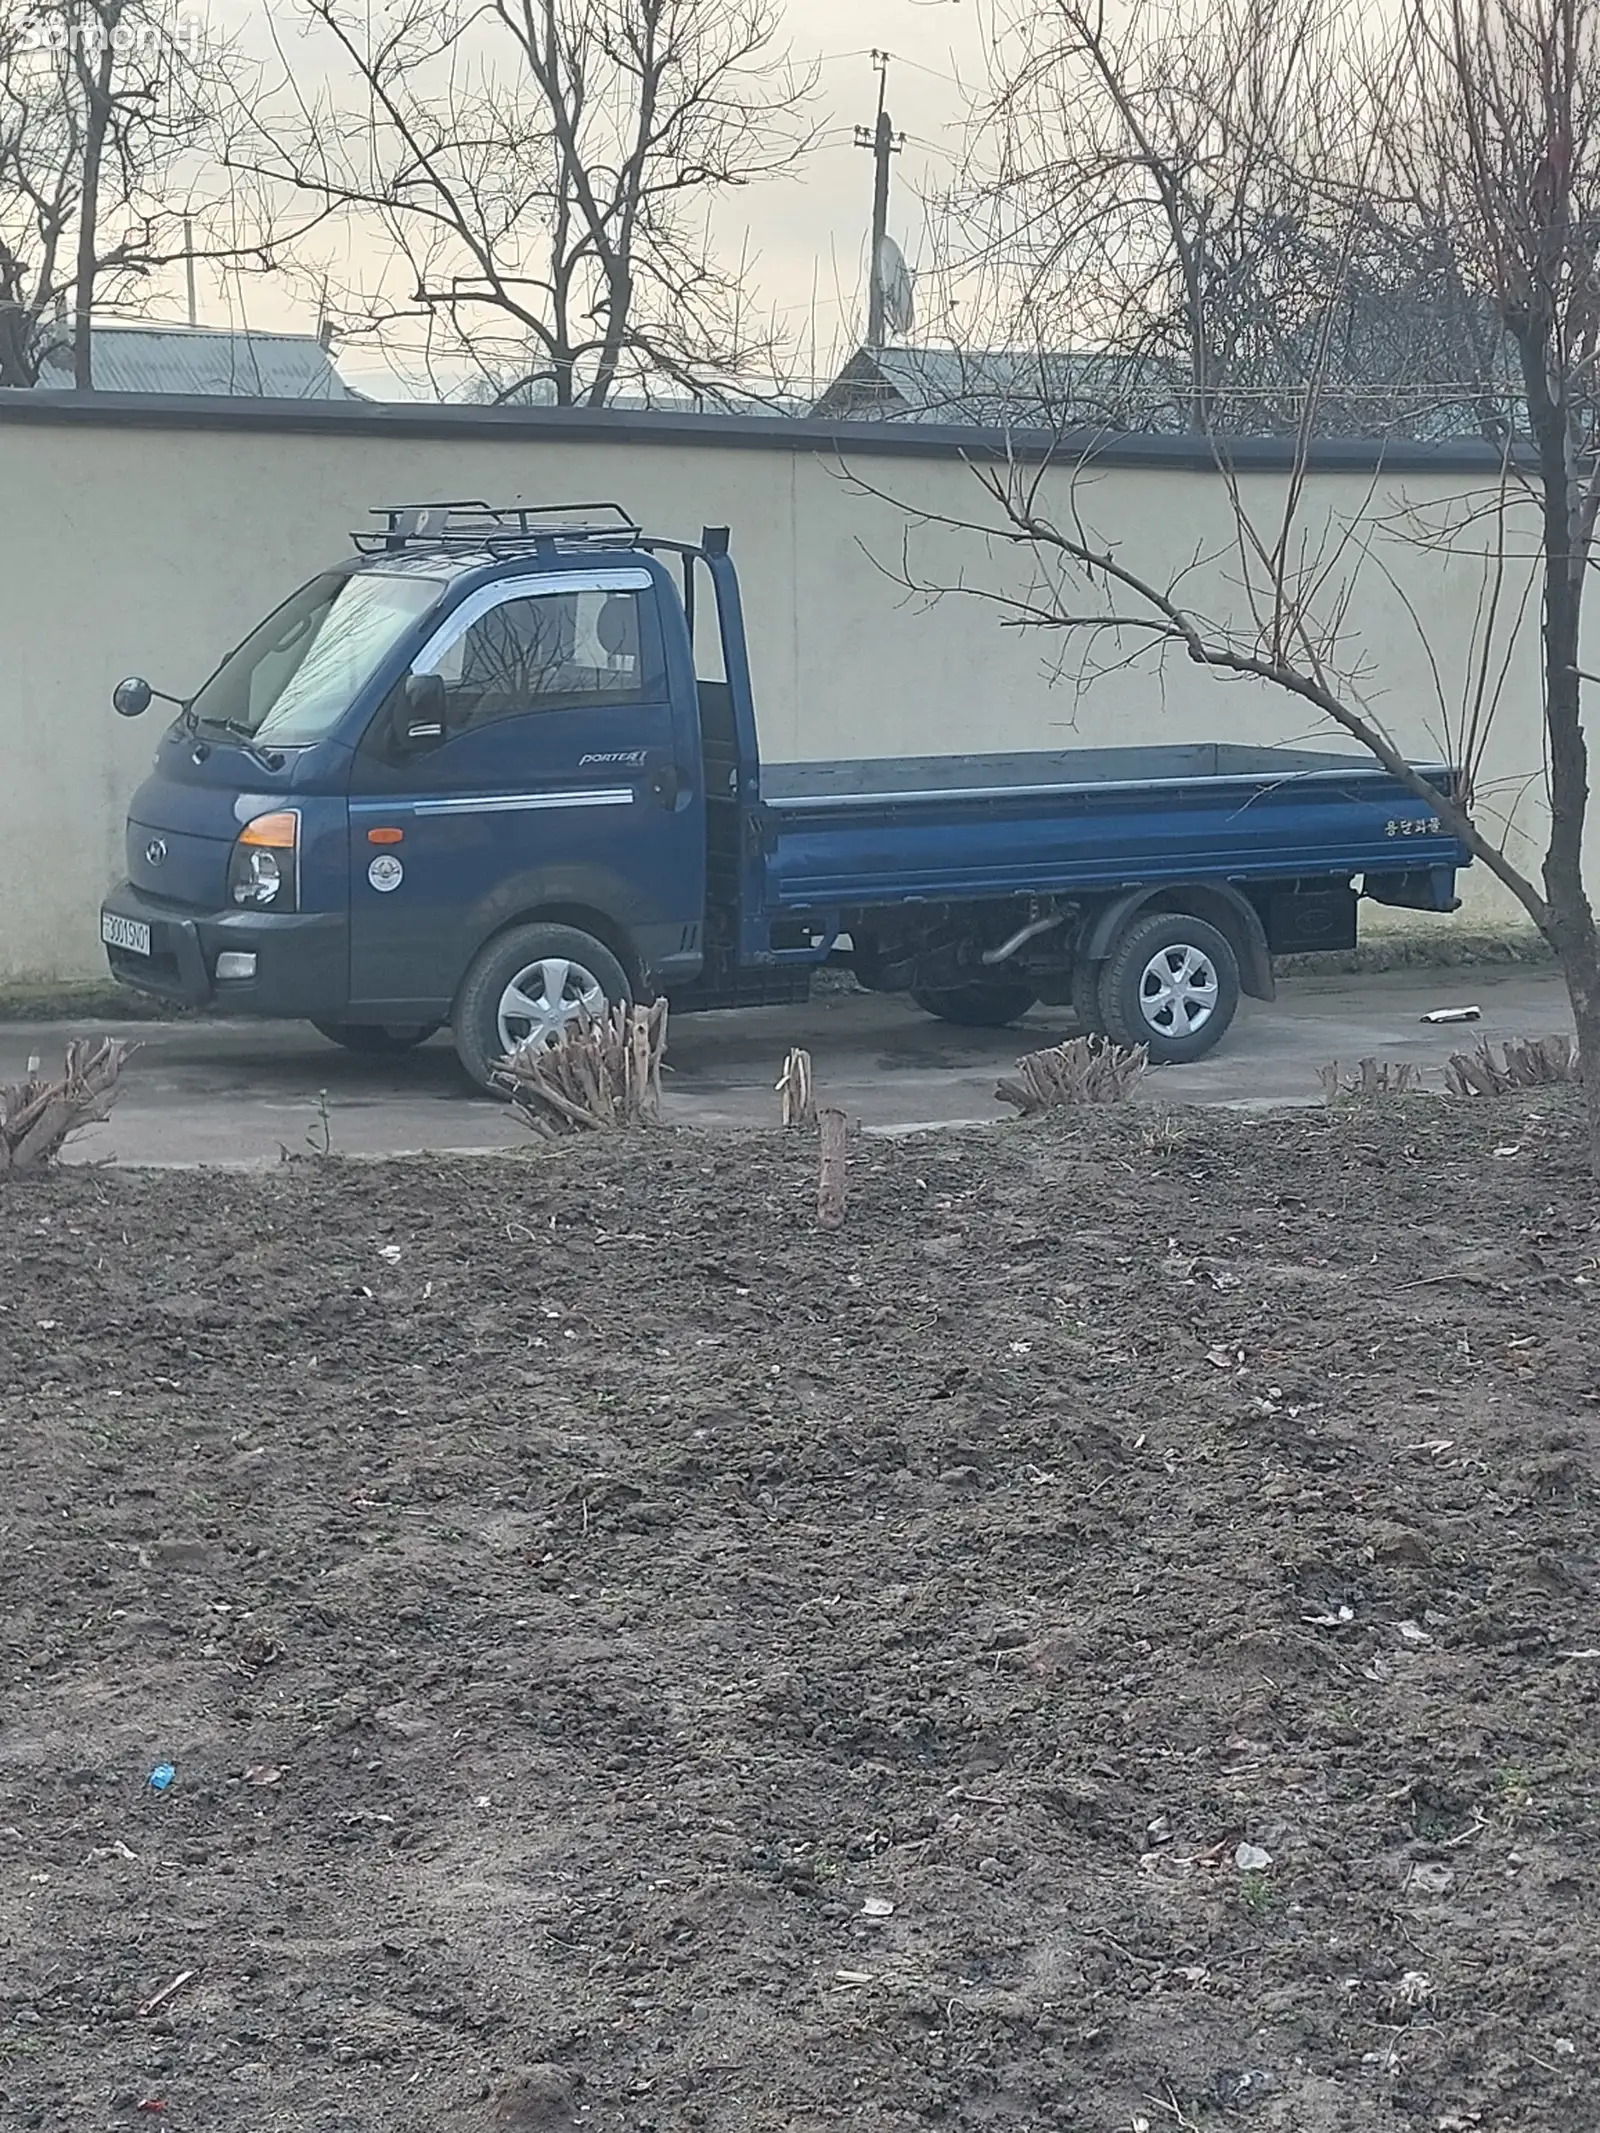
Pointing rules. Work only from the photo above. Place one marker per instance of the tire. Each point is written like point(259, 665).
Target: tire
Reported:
point(977, 1006)
point(1172, 983)
point(1086, 997)
point(371, 1040)
point(555, 971)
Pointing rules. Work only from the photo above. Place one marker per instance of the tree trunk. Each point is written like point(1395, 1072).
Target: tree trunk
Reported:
point(97, 123)
point(619, 302)
point(1571, 915)
point(1582, 975)
point(16, 334)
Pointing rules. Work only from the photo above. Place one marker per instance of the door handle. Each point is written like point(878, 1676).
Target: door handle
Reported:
point(664, 787)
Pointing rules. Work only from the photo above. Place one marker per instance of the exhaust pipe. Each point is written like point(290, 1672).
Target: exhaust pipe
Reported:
point(1020, 939)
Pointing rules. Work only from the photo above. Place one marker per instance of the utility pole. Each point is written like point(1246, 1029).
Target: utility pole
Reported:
point(884, 142)
point(188, 270)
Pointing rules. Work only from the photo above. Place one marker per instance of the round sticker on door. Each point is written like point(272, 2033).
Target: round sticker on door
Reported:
point(386, 873)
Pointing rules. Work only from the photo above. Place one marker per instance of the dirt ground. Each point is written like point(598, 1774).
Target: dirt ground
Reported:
point(630, 1660)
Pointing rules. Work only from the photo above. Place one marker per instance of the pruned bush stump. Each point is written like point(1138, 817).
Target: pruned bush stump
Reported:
point(831, 1168)
point(1372, 1077)
point(1083, 1070)
point(797, 1093)
point(38, 1117)
point(1522, 1063)
point(603, 1071)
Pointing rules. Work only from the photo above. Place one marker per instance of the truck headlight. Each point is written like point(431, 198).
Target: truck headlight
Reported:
point(264, 871)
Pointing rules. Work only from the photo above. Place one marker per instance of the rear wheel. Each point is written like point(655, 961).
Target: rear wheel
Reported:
point(976, 1006)
point(531, 984)
point(1172, 983)
point(1086, 996)
point(374, 1040)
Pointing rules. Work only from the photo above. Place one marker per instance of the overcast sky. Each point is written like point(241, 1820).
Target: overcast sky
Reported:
point(813, 234)
point(807, 236)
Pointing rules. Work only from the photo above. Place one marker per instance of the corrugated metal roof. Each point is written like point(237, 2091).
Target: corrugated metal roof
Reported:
point(992, 383)
point(1073, 388)
point(998, 387)
point(203, 359)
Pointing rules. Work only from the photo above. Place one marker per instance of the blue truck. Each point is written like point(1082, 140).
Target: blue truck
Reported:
point(472, 776)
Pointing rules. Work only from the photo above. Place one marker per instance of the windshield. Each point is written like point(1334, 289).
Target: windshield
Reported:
point(296, 675)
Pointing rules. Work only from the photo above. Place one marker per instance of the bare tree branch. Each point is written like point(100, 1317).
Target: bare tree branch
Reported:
point(1469, 142)
point(545, 169)
point(1174, 199)
point(108, 169)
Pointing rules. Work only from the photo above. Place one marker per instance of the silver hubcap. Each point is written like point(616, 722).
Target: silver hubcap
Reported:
point(545, 999)
point(1178, 991)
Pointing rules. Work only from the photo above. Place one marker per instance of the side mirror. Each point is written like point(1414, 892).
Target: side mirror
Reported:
point(421, 713)
point(132, 698)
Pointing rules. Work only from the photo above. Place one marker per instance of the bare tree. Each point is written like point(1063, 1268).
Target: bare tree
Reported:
point(40, 185)
point(546, 169)
point(1152, 185)
point(1488, 133)
point(106, 171)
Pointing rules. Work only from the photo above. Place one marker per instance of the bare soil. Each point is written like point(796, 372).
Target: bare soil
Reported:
point(632, 1660)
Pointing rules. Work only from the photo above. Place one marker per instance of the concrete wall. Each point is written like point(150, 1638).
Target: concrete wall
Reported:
point(137, 537)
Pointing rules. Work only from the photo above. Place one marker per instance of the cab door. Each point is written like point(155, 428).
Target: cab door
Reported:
point(567, 778)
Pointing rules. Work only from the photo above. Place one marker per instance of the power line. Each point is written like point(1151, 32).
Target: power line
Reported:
point(827, 59)
point(938, 74)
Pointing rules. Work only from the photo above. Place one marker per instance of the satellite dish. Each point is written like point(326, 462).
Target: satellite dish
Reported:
point(895, 287)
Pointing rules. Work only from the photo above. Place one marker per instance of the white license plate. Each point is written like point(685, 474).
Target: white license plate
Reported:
point(129, 933)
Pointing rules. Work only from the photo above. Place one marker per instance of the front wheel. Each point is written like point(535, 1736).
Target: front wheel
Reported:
point(976, 1006)
point(530, 985)
point(1171, 983)
point(374, 1040)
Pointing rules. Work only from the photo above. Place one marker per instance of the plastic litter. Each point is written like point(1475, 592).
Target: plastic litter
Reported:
point(161, 1777)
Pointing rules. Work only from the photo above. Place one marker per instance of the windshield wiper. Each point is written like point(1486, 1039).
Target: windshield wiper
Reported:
point(269, 757)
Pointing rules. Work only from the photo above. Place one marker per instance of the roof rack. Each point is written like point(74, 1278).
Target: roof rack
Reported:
point(498, 529)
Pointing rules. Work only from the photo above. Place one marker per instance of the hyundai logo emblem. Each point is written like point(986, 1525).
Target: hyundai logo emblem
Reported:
point(156, 851)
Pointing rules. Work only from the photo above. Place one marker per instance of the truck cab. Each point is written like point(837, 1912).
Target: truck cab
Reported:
point(483, 724)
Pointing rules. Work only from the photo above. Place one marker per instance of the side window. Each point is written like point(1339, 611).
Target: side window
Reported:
point(546, 652)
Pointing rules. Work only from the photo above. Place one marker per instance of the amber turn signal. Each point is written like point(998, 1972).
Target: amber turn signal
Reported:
point(279, 833)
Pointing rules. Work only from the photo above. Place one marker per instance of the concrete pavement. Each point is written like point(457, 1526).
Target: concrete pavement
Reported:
point(243, 1092)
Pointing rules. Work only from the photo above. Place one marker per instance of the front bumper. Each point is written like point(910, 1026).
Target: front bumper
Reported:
point(302, 967)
